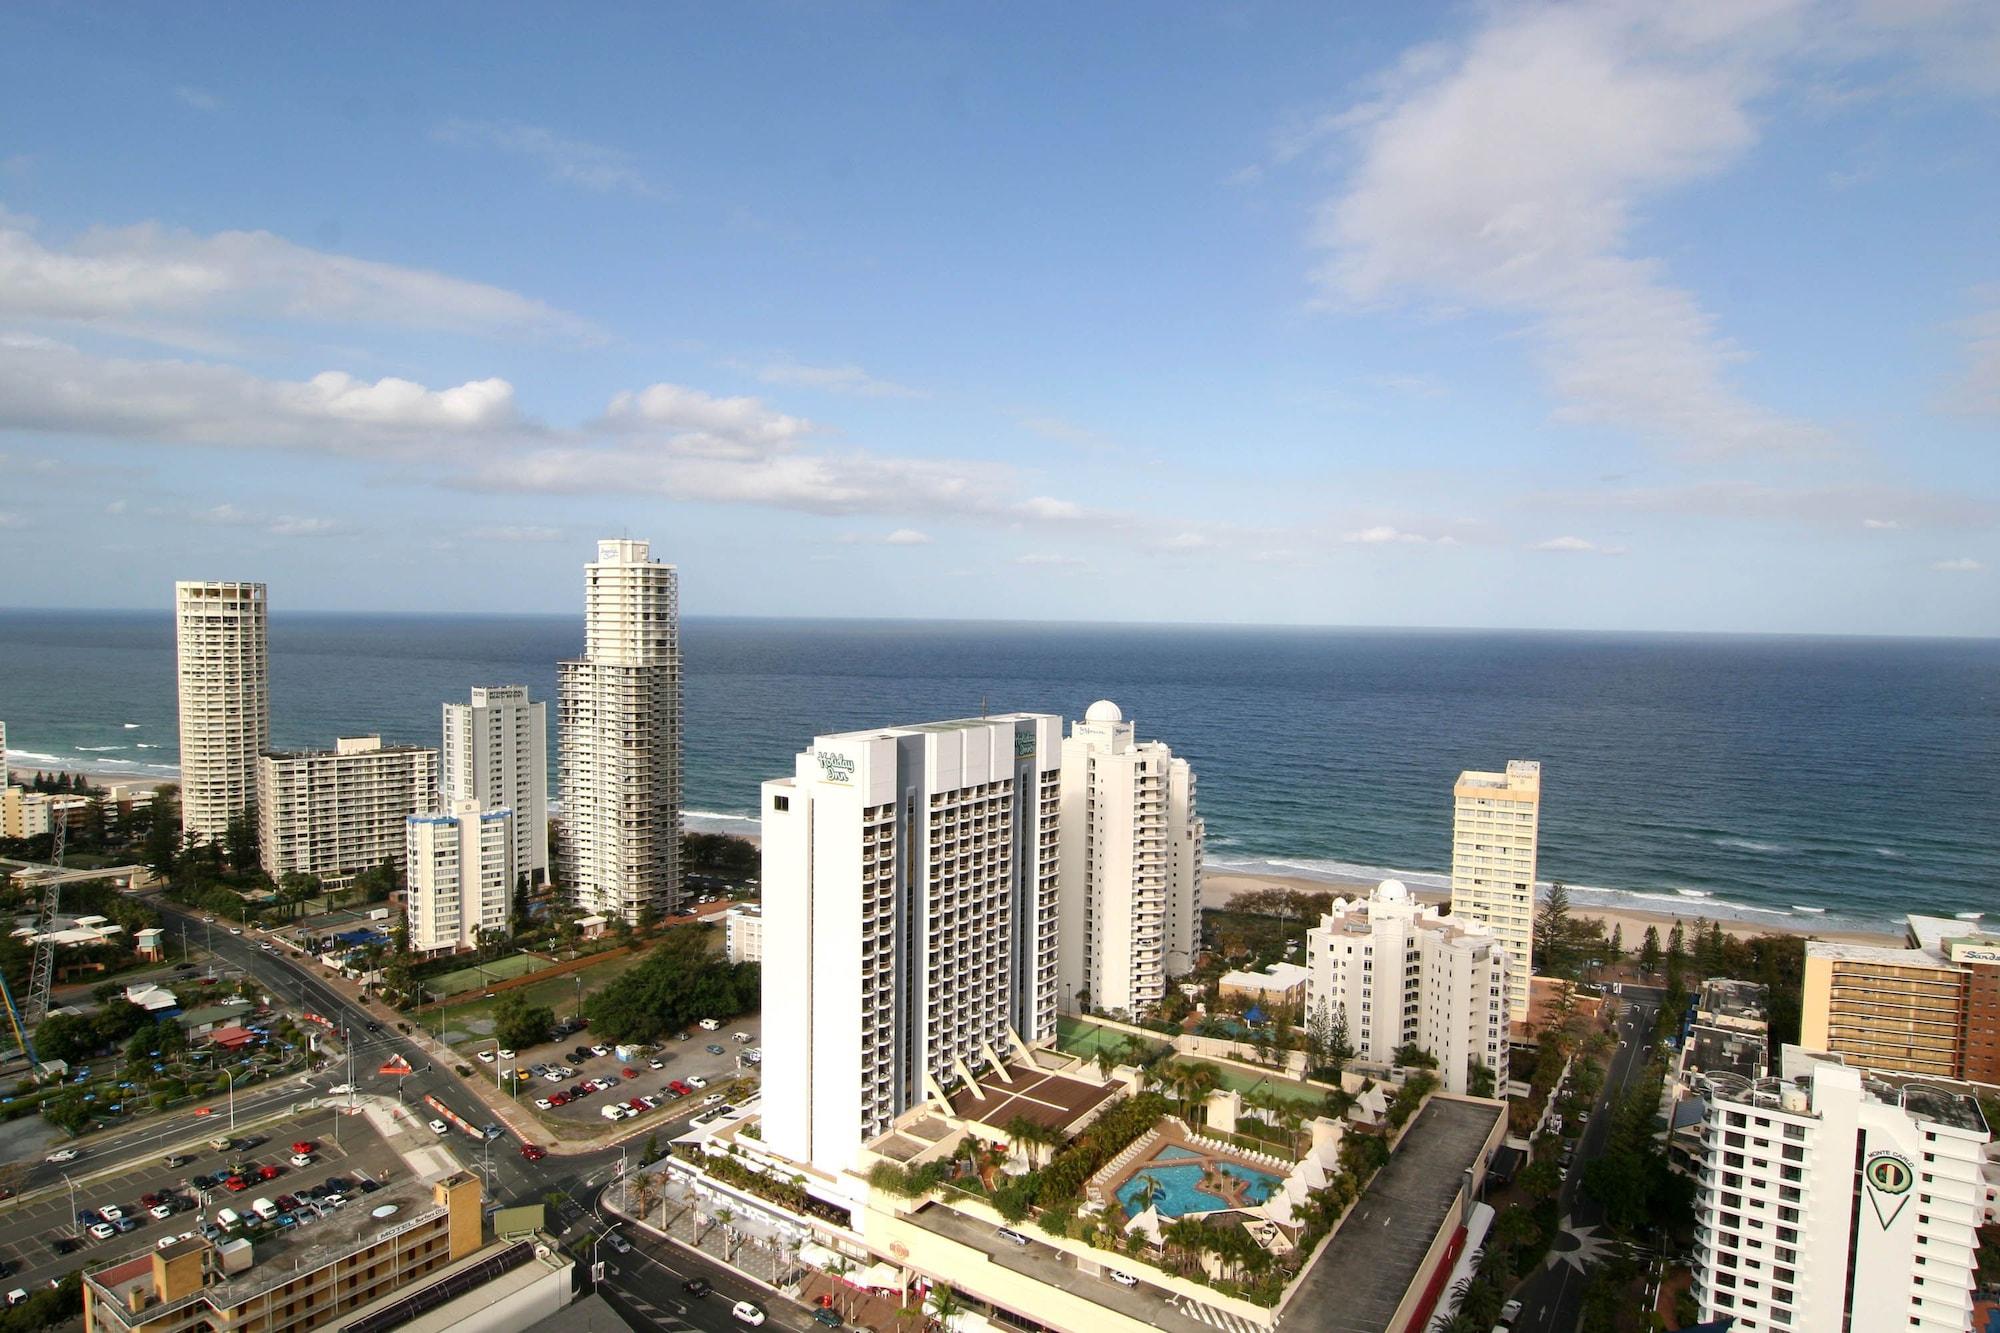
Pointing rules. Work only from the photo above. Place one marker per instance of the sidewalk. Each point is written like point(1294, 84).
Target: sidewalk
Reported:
point(741, 1243)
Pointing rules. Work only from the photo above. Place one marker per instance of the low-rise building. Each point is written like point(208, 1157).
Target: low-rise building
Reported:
point(743, 933)
point(1279, 987)
point(414, 1256)
point(1402, 975)
point(1828, 1200)
point(334, 813)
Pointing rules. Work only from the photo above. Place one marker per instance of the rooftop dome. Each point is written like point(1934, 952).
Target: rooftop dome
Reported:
point(1103, 711)
point(1391, 891)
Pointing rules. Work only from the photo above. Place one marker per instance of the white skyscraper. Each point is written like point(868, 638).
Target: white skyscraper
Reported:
point(496, 752)
point(334, 813)
point(461, 876)
point(909, 921)
point(1404, 975)
point(220, 632)
point(1830, 1201)
point(1131, 866)
point(1496, 818)
point(618, 713)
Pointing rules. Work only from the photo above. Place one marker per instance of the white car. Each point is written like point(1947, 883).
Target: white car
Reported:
point(600, 1050)
point(544, 1104)
point(743, 1038)
point(656, 1063)
point(160, 1212)
point(1122, 1279)
point(556, 1075)
point(302, 1159)
point(696, 1081)
point(440, 1127)
point(711, 1024)
point(63, 1155)
point(339, 1088)
point(111, 1212)
point(746, 1313)
point(506, 1055)
point(103, 1230)
point(486, 1057)
point(711, 1099)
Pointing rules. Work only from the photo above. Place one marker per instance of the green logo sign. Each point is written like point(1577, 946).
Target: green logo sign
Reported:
point(1888, 1176)
point(1024, 742)
point(835, 767)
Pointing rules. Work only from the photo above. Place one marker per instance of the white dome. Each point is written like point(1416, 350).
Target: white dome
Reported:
point(1391, 891)
point(1104, 711)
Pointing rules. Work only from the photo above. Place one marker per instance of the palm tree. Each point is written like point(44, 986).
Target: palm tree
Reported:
point(946, 1305)
point(1151, 1191)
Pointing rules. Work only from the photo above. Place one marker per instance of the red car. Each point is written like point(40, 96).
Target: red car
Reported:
point(629, 1073)
point(533, 1152)
point(680, 1089)
point(269, 1172)
point(638, 1105)
point(236, 1184)
point(302, 1146)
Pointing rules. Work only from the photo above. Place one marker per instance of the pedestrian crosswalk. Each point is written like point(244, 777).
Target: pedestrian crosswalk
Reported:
point(1218, 1318)
point(654, 1315)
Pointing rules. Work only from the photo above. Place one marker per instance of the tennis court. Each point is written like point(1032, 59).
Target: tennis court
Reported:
point(485, 974)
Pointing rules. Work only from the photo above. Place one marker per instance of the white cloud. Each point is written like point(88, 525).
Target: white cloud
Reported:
point(1866, 505)
point(1505, 172)
point(1576, 545)
point(12, 519)
point(834, 379)
point(697, 423)
point(516, 533)
point(1050, 509)
point(1964, 564)
point(1049, 559)
point(198, 98)
point(48, 387)
point(1381, 534)
point(1065, 432)
point(153, 271)
point(278, 525)
point(116, 507)
point(1190, 541)
point(900, 537)
point(593, 166)
point(1880, 524)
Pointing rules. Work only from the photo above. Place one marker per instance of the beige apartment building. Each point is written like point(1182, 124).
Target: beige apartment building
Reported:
point(1932, 1009)
point(220, 632)
point(333, 813)
point(1496, 820)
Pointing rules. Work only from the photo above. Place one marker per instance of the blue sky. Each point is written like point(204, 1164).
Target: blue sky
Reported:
point(1615, 316)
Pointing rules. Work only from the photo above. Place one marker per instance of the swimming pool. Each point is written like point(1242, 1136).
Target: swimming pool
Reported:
point(1178, 1171)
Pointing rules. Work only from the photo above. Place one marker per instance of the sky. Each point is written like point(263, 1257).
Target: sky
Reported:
point(1610, 316)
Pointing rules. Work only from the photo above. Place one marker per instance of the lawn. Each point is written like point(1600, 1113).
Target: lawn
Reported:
point(471, 1025)
point(1243, 1082)
point(1076, 1037)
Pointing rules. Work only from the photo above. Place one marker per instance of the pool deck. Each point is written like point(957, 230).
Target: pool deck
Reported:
point(1168, 1135)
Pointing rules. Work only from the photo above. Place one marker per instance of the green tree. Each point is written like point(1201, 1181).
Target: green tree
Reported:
point(1649, 951)
point(1551, 937)
point(240, 839)
point(518, 1025)
point(163, 839)
point(1616, 949)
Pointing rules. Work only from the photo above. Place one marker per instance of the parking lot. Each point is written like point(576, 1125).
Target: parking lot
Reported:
point(42, 1238)
point(690, 1061)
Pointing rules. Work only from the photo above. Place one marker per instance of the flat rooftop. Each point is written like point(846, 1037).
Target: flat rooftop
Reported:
point(1042, 1098)
point(1876, 953)
point(1944, 1107)
point(1732, 999)
point(1365, 1270)
point(1726, 1051)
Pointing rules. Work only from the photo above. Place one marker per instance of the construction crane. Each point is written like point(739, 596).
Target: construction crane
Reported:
point(42, 971)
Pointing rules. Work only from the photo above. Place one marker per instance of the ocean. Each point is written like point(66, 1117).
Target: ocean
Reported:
point(1846, 781)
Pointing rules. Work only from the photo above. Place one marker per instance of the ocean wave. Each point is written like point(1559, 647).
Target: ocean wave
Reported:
point(1695, 893)
point(100, 749)
point(717, 814)
point(144, 746)
point(1889, 852)
point(1332, 872)
point(1809, 911)
point(1748, 845)
point(1968, 916)
point(132, 726)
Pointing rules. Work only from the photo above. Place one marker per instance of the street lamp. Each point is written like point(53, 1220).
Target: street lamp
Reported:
point(596, 1264)
point(230, 1075)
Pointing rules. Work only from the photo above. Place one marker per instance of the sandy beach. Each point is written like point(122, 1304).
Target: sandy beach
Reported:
point(1219, 888)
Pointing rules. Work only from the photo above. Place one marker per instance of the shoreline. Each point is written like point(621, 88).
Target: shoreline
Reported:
point(1220, 888)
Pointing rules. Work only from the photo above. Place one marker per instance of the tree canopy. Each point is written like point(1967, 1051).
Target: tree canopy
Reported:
point(678, 982)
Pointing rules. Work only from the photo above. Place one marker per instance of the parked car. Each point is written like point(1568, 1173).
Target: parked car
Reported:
point(102, 1231)
point(713, 1049)
point(111, 1212)
point(484, 1057)
point(162, 1211)
point(710, 1024)
point(440, 1128)
point(656, 1063)
point(302, 1159)
point(175, 1161)
point(826, 1318)
point(1122, 1279)
point(600, 1050)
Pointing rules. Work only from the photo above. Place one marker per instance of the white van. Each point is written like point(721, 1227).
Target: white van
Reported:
point(265, 1210)
point(613, 1111)
point(229, 1219)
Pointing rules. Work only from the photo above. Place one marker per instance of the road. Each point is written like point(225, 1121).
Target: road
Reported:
point(650, 1276)
point(1552, 1301)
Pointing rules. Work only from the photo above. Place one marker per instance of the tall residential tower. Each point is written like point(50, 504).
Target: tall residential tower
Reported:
point(220, 634)
point(618, 713)
point(1131, 866)
point(909, 921)
point(1496, 818)
point(496, 752)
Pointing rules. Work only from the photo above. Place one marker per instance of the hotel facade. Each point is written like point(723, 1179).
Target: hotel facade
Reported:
point(1404, 975)
point(334, 813)
point(1931, 1009)
point(910, 896)
point(1131, 866)
point(460, 871)
point(1829, 1201)
point(1496, 819)
point(618, 714)
point(221, 657)
point(496, 752)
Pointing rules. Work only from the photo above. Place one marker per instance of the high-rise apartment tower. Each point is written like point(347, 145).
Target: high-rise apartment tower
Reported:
point(1496, 819)
point(1131, 866)
point(334, 813)
point(496, 752)
point(909, 921)
point(220, 632)
point(618, 714)
point(461, 876)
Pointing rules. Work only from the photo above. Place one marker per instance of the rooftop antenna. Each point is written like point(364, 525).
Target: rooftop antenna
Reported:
point(982, 705)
